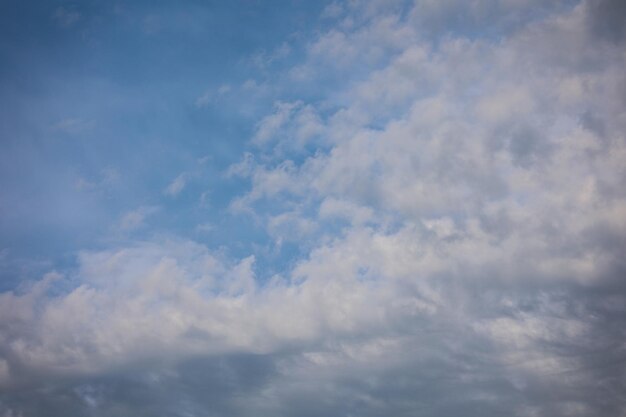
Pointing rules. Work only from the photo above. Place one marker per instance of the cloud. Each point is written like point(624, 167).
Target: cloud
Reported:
point(156, 321)
point(204, 99)
point(177, 185)
point(73, 126)
point(272, 124)
point(65, 17)
point(212, 96)
point(135, 219)
point(107, 178)
point(263, 60)
point(218, 308)
point(291, 127)
point(332, 11)
point(606, 18)
point(476, 165)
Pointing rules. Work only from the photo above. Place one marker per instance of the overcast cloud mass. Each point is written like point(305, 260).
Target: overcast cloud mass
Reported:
point(293, 208)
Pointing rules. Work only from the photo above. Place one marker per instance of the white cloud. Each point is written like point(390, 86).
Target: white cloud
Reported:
point(271, 124)
point(292, 126)
point(177, 185)
point(333, 10)
point(263, 59)
point(459, 142)
point(242, 168)
point(212, 96)
point(354, 213)
point(135, 219)
point(158, 295)
point(223, 89)
point(204, 99)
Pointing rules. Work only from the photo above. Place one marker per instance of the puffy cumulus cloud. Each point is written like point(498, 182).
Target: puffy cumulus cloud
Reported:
point(460, 208)
point(160, 300)
point(293, 125)
point(372, 322)
point(153, 308)
point(484, 162)
point(518, 142)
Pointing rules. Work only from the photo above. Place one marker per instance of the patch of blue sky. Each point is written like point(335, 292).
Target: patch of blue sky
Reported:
point(104, 105)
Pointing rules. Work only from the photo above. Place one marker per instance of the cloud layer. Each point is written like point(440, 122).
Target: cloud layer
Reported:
point(448, 209)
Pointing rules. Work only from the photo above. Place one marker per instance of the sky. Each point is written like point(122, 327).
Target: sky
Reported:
point(313, 208)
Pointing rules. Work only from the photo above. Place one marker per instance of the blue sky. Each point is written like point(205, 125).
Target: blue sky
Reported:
point(105, 105)
point(296, 208)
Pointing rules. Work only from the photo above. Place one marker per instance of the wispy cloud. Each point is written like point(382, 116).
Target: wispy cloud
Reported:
point(135, 219)
point(204, 99)
point(66, 17)
point(108, 177)
point(73, 125)
point(211, 96)
point(177, 185)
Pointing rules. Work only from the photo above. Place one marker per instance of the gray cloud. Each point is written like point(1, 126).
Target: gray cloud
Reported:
point(607, 19)
point(540, 365)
